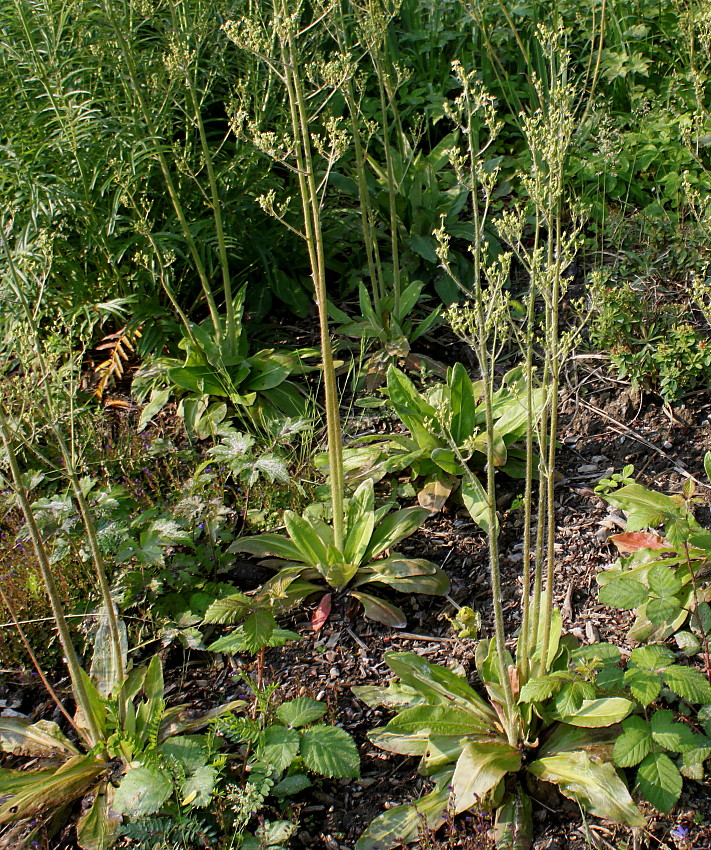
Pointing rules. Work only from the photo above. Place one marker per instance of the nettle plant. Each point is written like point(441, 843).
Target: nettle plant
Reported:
point(662, 577)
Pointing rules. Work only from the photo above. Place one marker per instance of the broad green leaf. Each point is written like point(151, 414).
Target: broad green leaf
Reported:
point(463, 404)
point(644, 685)
point(662, 610)
point(597, 743)
point(106, 669)
point(43, 739)
point(381, 611)
point(338, 573)
point(403, 824)
point(624, 593)
point(663, 580)
point(442, 750)
point(258, 629)
point(281, 746)
point(269, 544)
point(190, 751)
point(360, 522)
point(24, 794)
point(540, 689)
point(677, 737)
point(229, 609)
point(97, 827)
point(406, 744)
point(414, 575)
point(606, 653)
point(476, 502)
point(196, 790)
point(300, 711)
point(415, 413)
point(445, 720)
point(439, 684)
point(266, 374)
point(571, 697)
point(654, 657)
point(311, 546)
point(395, 695)
point(291, 785)
point(513, 828)
point(447, 461)
point(646, 508)
point(393, 529)
point(688, 643)
point(143, 790)
point(596, 787)
point(688, 684)
point(479, 768)
point(599, 712)
point(330, 751)
point(634, 744)
point(435, 491)
point(659, 781)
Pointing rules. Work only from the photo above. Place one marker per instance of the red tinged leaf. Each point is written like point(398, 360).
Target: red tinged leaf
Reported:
point(632, 541)
point(322, 612)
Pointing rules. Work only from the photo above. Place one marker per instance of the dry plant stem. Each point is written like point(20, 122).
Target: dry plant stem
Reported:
point(35, 663)
point(75, 671)
point(699, 623)
point(314, 240)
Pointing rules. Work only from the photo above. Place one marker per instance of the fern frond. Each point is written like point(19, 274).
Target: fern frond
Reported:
point(120, 347)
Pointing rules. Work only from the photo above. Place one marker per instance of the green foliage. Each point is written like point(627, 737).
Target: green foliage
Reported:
point(662, 578)
point(462, 748)
point(307, 557)
point(158, 761)
point(447, 434)
point(650, 341)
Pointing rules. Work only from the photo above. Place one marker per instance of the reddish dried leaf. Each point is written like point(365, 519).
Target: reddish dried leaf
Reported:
point(632, 541)
point(321, 614)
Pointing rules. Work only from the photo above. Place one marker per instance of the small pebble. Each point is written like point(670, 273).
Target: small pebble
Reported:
point(588, 467)
point(667, 444)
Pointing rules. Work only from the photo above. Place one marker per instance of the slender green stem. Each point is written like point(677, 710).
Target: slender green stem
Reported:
point(314, 240)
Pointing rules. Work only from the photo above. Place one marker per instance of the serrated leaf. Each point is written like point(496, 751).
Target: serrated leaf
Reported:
point(300, 711)
point(540, 689)
point(281, 746)
point(624, 593)
point(659, 781)
point(190, 750)
point(142, 791)
point(258, 629)
point(644, 685)
point(634, 744)
point(663, 579)
point(688, 683)
point(662, 610)
point(229, 609)
point(291, 785)
point(654, 657)
point(571, 697)
point(677, 737)
point(330, 751)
